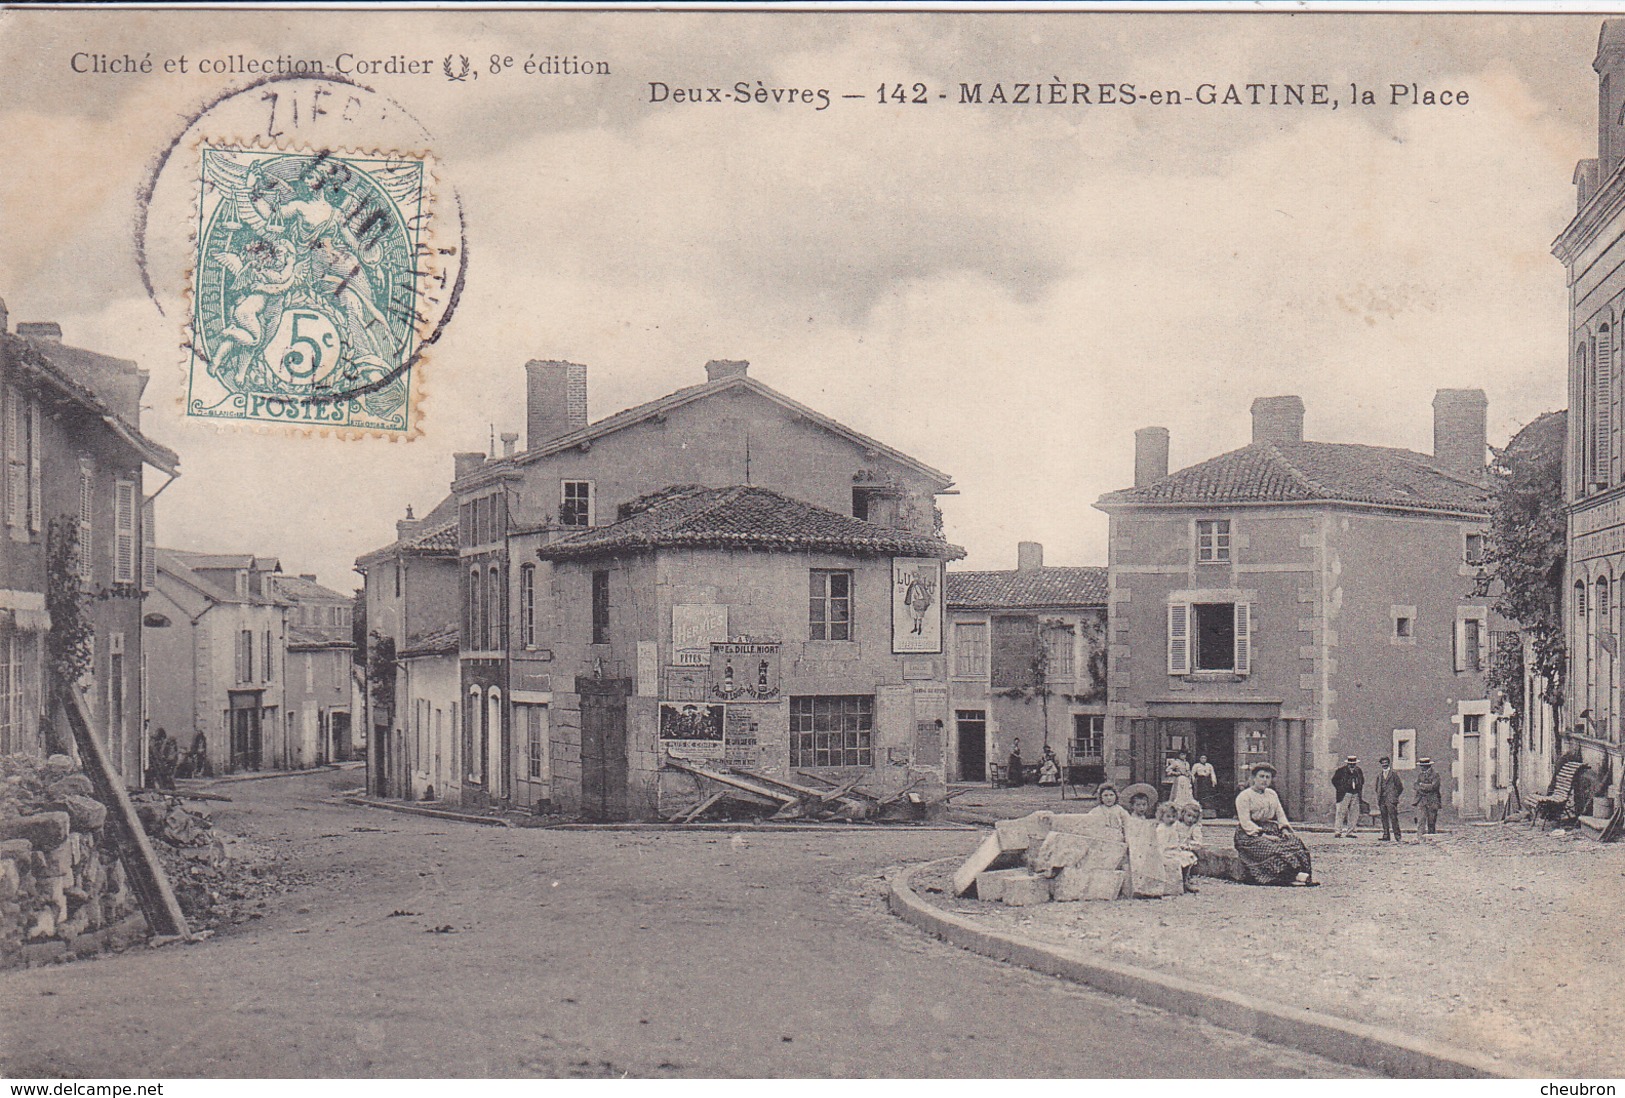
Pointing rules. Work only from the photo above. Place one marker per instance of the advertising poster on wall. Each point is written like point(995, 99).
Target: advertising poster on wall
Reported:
point(744, 673)
point(691, 730)
point(916, 605)
point(694, 627)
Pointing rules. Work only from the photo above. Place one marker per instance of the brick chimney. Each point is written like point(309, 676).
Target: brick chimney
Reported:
point(1150, 455)
point(510, 439)
point(465, 463)
point(308, 576)
point(719, 368)
point(1278, 419)
point(1460, 443)
point(1029, 556)
point(48, 330)
point(555, 400)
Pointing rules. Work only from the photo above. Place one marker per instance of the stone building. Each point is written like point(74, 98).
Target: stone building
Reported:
point(73, 455)
point(1027, 662)
point(215, 633)
point(1590, 249)
point(739, 626)
point(413, 605)
point(574, 476)
point(316, 689)
point(1296, 601)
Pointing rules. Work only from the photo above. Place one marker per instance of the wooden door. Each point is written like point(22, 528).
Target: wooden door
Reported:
point(971, 730)
point(1471, 768)
point(603, 747)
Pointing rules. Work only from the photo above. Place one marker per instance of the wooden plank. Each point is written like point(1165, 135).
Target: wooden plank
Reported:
point(691, 814)
point(141, 865)
point(729, 780)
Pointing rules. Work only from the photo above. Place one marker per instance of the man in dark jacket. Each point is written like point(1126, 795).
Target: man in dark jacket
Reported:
point(1349, 781)
point(1428, 799)
point(1389, 789)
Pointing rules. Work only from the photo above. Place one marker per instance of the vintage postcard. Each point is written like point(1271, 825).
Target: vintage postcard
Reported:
point(810, 542)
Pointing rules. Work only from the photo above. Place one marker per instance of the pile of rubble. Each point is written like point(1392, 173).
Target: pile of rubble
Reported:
point(1057, 856)
point(218, 878)
point(62, 887)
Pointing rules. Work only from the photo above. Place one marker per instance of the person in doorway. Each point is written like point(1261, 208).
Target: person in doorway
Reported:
point(165, 758)
point(1013, 775)
point(1349, 782)
point(1205, 783)
point(1389, 790)
point(1427, 798)
point(1269, 851)
point(1179, 773)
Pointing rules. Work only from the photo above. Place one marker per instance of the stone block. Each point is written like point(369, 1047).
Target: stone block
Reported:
point(1026, 890)
point(989, 855)
point(74, 785)
point(990, 885)
point(1224, 865)
point(1057, 851)
point(1015, 836)
point(1080, 823)
point(84, 813)
point(44, 953)
point(16, 849)
point(45, 831)
point(1108, 854)
point(1090, 884)
point(10, 880)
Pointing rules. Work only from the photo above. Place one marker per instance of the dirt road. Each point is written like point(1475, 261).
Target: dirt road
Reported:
point(420, 947)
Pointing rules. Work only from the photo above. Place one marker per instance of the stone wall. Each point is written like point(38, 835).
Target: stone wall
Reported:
point(63, 890)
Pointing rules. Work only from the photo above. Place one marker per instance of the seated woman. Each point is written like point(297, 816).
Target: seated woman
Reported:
point(1270, 853)
point(1049, 768)
point(1115, 814)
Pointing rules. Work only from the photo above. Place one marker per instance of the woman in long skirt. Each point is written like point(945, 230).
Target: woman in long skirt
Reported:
point(1270, 853)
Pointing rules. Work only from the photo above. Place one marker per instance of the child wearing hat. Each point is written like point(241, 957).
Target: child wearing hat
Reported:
point(1349, 781)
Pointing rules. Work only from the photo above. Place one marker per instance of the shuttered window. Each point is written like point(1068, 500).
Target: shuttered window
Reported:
point(87, 520)
point(124, 543)
point(1602, 395)
point(1215, 636)
point(35, 504)
point(149, 547)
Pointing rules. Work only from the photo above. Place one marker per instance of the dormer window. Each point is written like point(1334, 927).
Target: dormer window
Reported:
point(1212, 541)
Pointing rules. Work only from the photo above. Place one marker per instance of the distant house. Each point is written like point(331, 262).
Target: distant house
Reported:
point(1295, 602)
point(215, 634)
point(412, 593)
point(735, 626)
point(72, 457)
point(316, 691)
point(1027, 662)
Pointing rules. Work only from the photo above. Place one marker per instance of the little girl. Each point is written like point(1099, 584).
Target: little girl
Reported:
point(1176, 858)
point(1114, 813)
point(1189, 830)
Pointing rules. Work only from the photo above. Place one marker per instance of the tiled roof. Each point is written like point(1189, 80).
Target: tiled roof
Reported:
point(315, 636)
point(1026, 588)
point(437, 533)
point(440, 539)
point(436, 642)
point(1313, 472)
point(173, 562)
point(670, 401)
point(300, 589)
point(230, 561)
point(744, 517)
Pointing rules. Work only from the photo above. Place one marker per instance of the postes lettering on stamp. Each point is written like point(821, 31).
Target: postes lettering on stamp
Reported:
point(315, 282)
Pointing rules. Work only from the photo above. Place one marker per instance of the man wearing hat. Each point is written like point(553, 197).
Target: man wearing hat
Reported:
point(1389, 790)
point(1349, 781)
point(1427, 797)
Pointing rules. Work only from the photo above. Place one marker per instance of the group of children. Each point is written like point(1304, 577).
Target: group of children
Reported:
point(1178, 827)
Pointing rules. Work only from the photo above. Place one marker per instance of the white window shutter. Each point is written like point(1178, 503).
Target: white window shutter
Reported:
point(87, 520)
point(149, 547)
point(35, 502)
point(1603, 394)
point(16, 489)
point(124, 543)
point(1179, 638)
point(1244, 638)
point(1484, 642)
point(1461, 644)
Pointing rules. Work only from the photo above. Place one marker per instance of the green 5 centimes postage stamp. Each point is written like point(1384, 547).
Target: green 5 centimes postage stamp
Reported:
point(314, 288)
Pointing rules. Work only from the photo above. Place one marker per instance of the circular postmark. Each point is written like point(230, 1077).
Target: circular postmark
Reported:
point(301, 232)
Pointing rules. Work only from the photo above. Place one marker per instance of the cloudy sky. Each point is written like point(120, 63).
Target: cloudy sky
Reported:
point(1004, 291)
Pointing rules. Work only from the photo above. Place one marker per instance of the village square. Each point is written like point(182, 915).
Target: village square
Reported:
point(684, 740)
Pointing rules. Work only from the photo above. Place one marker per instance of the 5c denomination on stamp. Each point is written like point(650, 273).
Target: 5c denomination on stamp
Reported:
point(314, 286)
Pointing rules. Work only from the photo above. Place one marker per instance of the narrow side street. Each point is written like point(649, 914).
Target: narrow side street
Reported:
point(420, 947)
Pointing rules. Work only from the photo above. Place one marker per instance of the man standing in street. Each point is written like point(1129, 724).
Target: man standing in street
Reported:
point(1427, 798)
point(1349, 781)
point(1389, 789)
